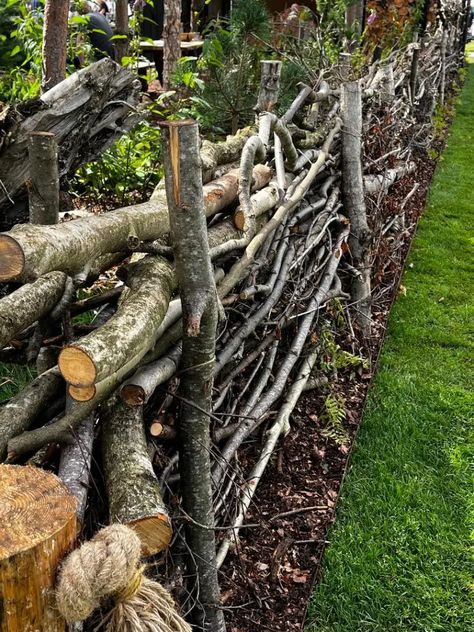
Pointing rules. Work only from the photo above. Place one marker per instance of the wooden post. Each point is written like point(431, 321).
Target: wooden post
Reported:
point(183, 178)
point(269, 86)
point(43, 185)
point(353, 199)
point(121, 30)
point(37, 529)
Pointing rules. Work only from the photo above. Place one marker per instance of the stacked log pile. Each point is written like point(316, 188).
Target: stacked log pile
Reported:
point(292, 230)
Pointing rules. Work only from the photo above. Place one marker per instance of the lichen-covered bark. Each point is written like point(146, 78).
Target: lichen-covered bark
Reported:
point(198, 297)
point(132, 487)
point(43, 184)
point(130, 332)
point(24, 306)
point(27, 252)
point(353, 199)
point(19, 413)
point(215, 154)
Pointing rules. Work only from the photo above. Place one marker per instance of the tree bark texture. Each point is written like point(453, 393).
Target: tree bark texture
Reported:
point(353, 199)
point(121, 29)
point(86, 112)
point(269, 85)
point(198, 297)
point(130, 332)
point(132, 487)
point(43, 184)
point(56, 16)
point(31, 301)
point(18, 413)
point(37, 529)
point(75, 463)
point(27, 252)
point(215, 154)
point(171, 39)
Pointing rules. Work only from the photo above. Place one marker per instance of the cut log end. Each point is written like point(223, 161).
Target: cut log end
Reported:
point(154, 532)
point(12, 258)
point(239, 219)
point(35, 506)
point(37, 528)
point(77, 367)
point(82, 394)
point(132, 394)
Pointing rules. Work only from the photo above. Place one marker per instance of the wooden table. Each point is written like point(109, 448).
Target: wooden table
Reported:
point(159, 45)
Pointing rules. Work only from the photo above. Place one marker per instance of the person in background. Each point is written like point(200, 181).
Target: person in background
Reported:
point(99, 31)
point(103, 8)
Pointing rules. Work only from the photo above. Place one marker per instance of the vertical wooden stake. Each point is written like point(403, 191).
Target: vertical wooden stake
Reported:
point(353, 199)
point(269, 86)
point(43, 189)
point(183, 179)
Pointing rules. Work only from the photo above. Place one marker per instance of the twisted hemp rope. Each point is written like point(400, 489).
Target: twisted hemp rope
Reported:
point(108, 568)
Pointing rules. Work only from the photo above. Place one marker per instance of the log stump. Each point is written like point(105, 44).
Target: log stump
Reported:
point(37, 528)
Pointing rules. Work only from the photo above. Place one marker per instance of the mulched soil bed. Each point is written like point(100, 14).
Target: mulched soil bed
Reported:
point(267, 581)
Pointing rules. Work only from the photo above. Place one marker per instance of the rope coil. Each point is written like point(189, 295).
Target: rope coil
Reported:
point(108, 568)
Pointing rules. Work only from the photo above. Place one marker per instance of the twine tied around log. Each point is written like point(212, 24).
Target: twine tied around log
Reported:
point(107, 568)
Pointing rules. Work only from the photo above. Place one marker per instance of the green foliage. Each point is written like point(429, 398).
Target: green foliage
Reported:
point(127, 172)
point(21, 34)
point(230, 67)
point(333, 358)
point(333, 417)
point(14, 378)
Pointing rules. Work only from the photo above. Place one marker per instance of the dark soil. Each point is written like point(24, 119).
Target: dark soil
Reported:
point(268, 579)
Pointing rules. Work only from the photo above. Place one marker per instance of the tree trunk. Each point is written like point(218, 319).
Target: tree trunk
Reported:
point(43, 184)
point(37, 529)
point(198, 297)
point(121, 30)
point(132, 487)
point(355, 15)
point(56, 15)
point(171, 39)
point(24, 306)
point(353, 199)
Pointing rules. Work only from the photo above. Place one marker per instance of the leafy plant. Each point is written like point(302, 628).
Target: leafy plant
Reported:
point(21, 33)
point(333, 416)
point(127, 172)
point(333, 358)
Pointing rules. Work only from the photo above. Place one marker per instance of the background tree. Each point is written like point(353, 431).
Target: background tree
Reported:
point(56, 16)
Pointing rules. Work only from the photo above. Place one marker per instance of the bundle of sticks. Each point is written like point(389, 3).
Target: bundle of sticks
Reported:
point(294, 225)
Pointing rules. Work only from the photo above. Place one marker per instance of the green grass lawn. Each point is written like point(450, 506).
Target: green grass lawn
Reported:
point(399, 556)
